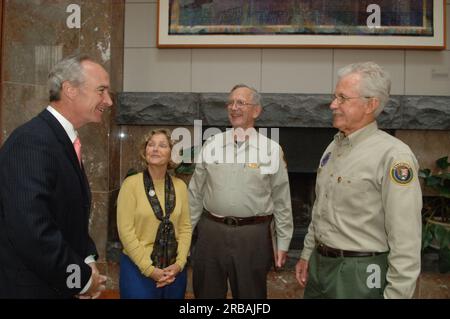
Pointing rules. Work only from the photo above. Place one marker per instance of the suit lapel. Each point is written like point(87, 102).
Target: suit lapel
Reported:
point(67, 145)
point(86, 182)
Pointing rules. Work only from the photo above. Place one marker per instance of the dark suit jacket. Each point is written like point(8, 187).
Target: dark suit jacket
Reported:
point(44, 213)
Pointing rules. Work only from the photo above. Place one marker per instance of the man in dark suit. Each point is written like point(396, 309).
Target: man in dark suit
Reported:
point(45, 247)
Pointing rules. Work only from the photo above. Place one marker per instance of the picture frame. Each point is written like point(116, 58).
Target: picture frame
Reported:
point(406, 24)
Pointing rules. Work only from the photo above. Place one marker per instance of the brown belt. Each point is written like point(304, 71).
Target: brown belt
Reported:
point(334, 253)
point(238, 221)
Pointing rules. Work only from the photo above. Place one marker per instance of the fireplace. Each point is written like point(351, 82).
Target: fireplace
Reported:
point(302, 199)
point(303, 148)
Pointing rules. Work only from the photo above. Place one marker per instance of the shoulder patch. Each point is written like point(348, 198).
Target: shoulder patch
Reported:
point(402, 173)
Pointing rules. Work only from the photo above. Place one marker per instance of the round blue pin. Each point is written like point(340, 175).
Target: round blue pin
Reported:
point(325, 159)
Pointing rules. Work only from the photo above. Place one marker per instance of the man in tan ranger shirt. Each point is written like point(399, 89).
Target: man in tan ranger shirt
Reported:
point(239, 186)
point(364, 239)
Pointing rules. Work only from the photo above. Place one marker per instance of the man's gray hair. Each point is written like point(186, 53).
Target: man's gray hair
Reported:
point(68, 69)
point(256, 97)
point(375, 81)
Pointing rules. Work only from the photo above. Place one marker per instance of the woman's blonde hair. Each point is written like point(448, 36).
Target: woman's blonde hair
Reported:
point(147, 137)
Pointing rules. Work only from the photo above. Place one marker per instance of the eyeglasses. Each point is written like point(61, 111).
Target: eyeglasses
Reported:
point(238, 103)
point(341, 99)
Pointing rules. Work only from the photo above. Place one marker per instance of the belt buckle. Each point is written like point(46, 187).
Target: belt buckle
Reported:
point(230, 221)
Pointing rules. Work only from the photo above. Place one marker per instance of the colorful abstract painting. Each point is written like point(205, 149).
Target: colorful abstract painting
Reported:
point(336, 17)
point(415, 24)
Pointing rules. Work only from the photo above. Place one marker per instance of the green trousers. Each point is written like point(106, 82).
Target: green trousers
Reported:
point(346, 277)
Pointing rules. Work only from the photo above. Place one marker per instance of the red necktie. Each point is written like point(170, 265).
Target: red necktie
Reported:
point(77, 146)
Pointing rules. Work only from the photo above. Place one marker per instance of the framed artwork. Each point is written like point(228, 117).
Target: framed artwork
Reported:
point(415, 24)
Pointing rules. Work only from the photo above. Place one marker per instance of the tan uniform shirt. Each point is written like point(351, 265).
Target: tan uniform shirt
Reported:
point(368, 198)
point(243, 181)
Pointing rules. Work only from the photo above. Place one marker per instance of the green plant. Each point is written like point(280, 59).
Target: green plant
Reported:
point(436, 211)
point(187, 165)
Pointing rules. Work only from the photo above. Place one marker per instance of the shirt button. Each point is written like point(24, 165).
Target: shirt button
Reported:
point(339, 179)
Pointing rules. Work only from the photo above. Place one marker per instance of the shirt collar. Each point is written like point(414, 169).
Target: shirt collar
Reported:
point(357, 136)
point(68, 127)
point(251, 141)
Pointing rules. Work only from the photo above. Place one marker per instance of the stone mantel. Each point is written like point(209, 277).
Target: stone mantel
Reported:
point(280, 110)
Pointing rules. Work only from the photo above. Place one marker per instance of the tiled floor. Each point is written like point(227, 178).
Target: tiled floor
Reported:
point(283, 285)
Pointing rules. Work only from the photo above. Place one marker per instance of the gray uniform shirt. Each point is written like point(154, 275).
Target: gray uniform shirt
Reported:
point(243, 181)
point(368, 198)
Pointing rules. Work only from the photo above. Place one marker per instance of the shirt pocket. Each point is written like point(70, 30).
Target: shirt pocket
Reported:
point(351, 193)
point(254, 180)
point(217, 175)
point(355, 184)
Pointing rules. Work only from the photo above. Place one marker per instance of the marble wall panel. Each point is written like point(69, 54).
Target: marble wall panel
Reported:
point(96, 30)
point(114, 153)
point(113, 235)
point(20, 103)
point(95, 150)
point(98, 223)
point(35, 37)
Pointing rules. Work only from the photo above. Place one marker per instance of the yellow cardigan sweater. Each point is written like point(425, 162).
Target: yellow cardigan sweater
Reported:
point(138, 225)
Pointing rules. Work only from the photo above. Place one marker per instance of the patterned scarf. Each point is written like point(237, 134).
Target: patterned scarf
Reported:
point(165, 248)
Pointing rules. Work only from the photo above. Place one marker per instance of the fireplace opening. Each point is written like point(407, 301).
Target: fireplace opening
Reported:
point(302, 199)
point(303, 148)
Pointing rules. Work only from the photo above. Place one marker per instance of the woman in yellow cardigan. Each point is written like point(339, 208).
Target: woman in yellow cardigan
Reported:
point(154, 226)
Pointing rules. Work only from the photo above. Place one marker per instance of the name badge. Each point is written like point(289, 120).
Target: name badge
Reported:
point(253, 165)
